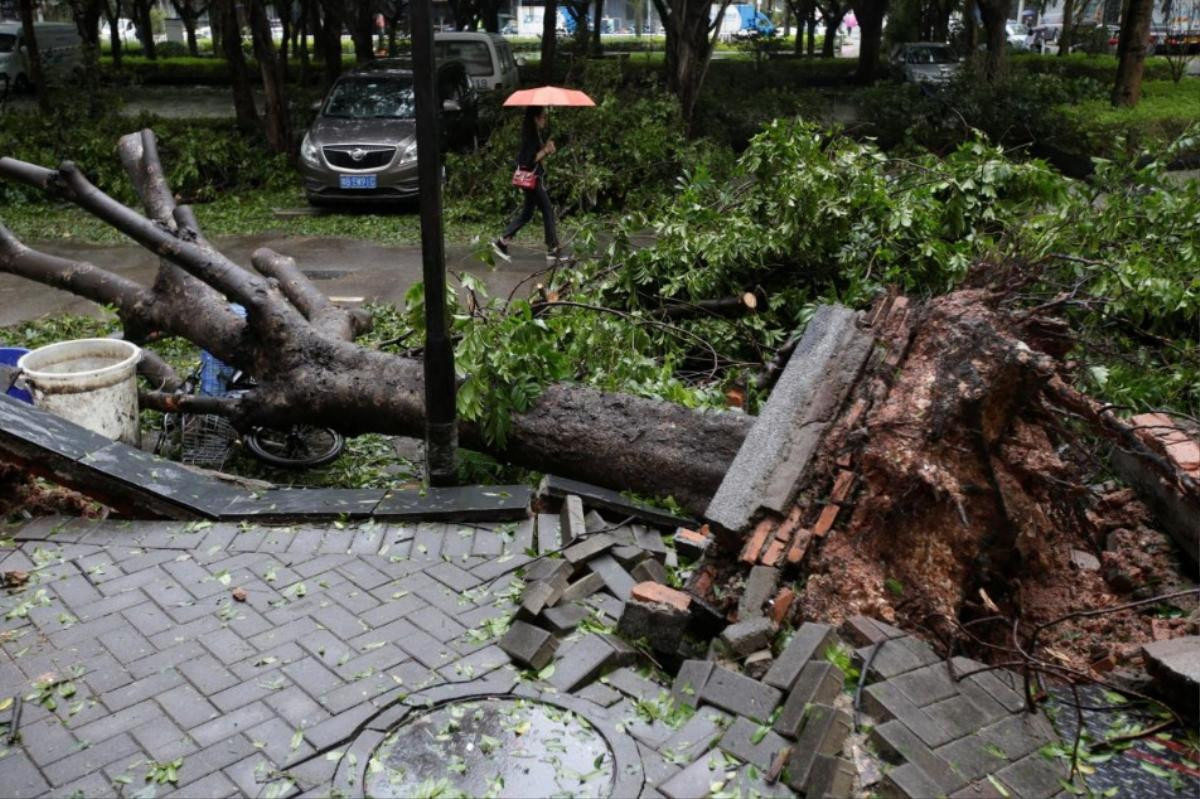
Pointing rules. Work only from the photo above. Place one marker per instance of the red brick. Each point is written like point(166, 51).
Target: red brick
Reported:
point(661, 594)
point(782, 604)
point(842, 486)
point(702, 581)
point(825, 522)
point(774, 552)
point(758, 538)
point(799, 545)
point(856, 412)
point(846, 460)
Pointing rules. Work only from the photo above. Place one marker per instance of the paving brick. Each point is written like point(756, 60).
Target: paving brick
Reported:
point(600, 694)
point(296, 707)
point(437, 623)
point(752, 743)
point(898, 743)
point(632, 684)
point(588, 547)
point(338, 728)
point(760, 586)
point(456, 578)
point(991, 682)
point(162, 740)
point(649, 571)
point(21, 778)
point(695, 781)
point(571, 522)
point(884, 701)
point(208, 674)
point(808, 642)
point(105, 673)
point(749, 635)
point(1034, 777)
point(582, 588)
point(215, 784)
point(959, 715)
point(662, 626)
point(230, 724)
point(45, 741)
point(825, 730)
point(210, 760)
point(655, 767)
point(78, 765)
point(689, 681)
point(565, 617)
point(863, 631)
point(697, 735)
point(187, 706)
point(377, 659)
point(926, 685)
point(581, 661)
point(739, 694)
point(1018, 735)
point(118, 722)
point(615, 578)
point(909, 782)
point(819, 683)
point(281, 635)
point(135, 692)
point(528, 645)
point(426, 649)
point(362, 575)
point(549, 537)
point(250, 691)
point(972, 757)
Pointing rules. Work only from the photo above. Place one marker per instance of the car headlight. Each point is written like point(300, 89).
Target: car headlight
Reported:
point(308, 152)
point(409, 153)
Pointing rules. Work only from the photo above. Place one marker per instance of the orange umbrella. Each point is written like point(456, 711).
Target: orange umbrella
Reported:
point(550, 95)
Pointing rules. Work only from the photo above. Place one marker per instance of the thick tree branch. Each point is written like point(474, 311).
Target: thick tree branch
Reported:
point(326, 317)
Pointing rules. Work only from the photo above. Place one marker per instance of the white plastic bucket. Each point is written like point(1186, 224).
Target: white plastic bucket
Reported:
point(91, 382)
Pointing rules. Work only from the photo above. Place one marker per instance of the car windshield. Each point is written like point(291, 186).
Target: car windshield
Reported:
point(476, 55)
point(371, 98)
point(930, 55)
point(1017, 29)
point(7, 42)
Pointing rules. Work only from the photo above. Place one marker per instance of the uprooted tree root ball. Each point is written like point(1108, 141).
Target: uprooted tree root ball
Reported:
point(976, 496)
point(21, 491)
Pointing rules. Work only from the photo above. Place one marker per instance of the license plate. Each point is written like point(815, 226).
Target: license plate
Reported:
point(356, 181)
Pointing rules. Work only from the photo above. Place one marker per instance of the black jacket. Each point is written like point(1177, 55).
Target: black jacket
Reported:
point(531, 142)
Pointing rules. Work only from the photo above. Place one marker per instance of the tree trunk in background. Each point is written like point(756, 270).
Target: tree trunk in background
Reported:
point(597, 25)
point(995, 20)
point(112, 12)
point(689, 47)
point(1068, 22)
point(284, 9)
point(145, 27)
point(364, 32)
point(870, 22)
point(833, 16)
point(969, 27)
point(331, 39)
point(1131, 52)
point(87, 15)
point(811, 25)
point(275, 118)
point(549, 40)
point(33, 57)
point(239, 72)
point(489, 15)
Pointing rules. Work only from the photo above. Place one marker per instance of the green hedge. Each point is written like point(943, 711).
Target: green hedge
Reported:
point(1102, 68)
point(190, 70)
point(1164, 114)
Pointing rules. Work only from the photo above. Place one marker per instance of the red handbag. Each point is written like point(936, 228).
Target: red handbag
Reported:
point(525, 179)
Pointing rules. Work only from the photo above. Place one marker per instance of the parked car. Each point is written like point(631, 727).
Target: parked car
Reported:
point(487, 56)
point(363, 147)
point(1018, 35)
point(59, 46)
point(925, 62)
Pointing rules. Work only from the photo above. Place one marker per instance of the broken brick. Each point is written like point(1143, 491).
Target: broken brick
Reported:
point(774, 553)
point(692, 544)
point(702, 581)
point(825, 522)
point(841, 486)
point(754, 545)
point(661, 594)
point(855, 413)
point(799, 545)
point(661, 624)
point(782, 604)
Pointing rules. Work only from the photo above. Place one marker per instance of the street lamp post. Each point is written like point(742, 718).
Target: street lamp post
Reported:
point(441, 430)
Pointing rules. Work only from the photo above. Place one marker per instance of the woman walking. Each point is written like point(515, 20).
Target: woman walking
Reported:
point(532, 153)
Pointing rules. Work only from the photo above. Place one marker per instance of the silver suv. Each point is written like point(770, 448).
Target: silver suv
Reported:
point(362, 146)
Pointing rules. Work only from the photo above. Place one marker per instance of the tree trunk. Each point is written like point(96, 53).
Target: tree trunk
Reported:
point(995, 20)
point(549, 40)
point(364, 32)
point(33, 57)
point(970, 30)
point(833, 21)
point(299, 348)
point(1068, 22)
point(597, 24)
point(284, 9)
point(870, 22)
point(239, 72)
point(1131, 52)
point(145, 27)
point(331, 40)
point(275, 117)
point(811, 25)
point(113, 14)
point(689, 48)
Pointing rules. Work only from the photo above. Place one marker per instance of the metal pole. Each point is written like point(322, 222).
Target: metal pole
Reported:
point(441, 430)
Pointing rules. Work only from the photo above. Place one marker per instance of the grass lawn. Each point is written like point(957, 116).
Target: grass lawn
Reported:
point(1165, 112)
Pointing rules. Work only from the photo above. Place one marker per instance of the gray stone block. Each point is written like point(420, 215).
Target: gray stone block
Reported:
point(1175, 666)
point(593, 522)
point(809, 642)
point(581, 662)
point(690, 544)
point(752, 743)
point(689, 681)
point(830, 778)
point(819, 683)
point(825, 730)
point(1034, 777)
point(549, 538)
point(650, 571)
point(894, 657)
point(739, 694)
point(606, 499)
point(582, 588)
point(615, 578)
point(971, 757)
point(697, 735)
point(528, 645)
point(696, 781)
point(757, 664)
point(571, 524)
point(565, 617)
point(632, 684)
point(863, 630)
point(760, 586)
point(749, 636)
point(629, 555)
point(926, 685)
point(587, 547)
point(541, 595)
point(650, 540)
point(908, 782)
point(662, 626)
point(1018, 735)
point(899, 744)
point(547, 569)
point(884, 701)
point(780, 446)
point(959, 715)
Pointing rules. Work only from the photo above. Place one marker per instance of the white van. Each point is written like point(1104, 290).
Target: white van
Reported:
point(488, 57)
point(59, 45)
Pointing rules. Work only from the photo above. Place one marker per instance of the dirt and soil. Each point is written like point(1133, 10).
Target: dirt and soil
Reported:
point(21, 492)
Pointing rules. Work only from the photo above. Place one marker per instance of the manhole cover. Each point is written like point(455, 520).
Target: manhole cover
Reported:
point(492, 747)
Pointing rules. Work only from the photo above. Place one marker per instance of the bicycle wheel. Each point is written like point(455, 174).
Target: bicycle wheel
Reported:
point(299, 447)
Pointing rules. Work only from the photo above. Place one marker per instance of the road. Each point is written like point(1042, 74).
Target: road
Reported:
point(342, 268)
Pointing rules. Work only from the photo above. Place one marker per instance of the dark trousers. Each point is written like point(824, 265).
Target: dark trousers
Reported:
point(538, 197)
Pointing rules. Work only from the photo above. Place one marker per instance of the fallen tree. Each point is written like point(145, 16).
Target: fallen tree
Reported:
point(301, 350)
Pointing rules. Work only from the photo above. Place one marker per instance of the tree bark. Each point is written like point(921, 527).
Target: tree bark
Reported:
point(597, 24)
point(970, 30)
point(33, 57)
point(363, 31)
point(689, 48)
point(299, 348)
point(145, 27)
point(549, 39)
point(833, 14)
point(331, 40)
point(113, 14)
point(995, 20)
point(275, 116)
point(239, 71)
point(811, 25)
point(870, 21)
point(1131, 52)
point(1068, 22)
